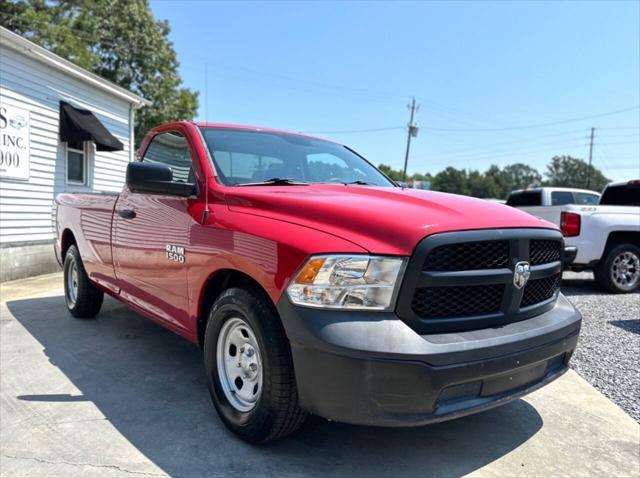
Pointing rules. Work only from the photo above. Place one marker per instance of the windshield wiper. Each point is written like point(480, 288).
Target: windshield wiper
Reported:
point(276, 182)
point(359, 182)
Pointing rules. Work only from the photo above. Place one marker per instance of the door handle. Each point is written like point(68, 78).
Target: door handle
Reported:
point(127, 213)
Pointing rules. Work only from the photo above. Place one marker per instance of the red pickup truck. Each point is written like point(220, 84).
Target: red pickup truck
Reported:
point(315, 284)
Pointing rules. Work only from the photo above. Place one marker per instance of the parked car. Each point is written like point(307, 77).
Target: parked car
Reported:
point(602, 237)
point(314, 284)
point(552, 199)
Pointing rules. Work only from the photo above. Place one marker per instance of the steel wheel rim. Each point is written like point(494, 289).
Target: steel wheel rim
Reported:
point(625, 270)
point(239, 364)
point(72, 283)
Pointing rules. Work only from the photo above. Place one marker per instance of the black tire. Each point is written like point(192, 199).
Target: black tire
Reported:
point(605, 274)
point(276, 413)
point(87, 300)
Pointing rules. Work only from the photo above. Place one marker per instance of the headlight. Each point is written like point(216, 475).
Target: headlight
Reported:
point(347, 282)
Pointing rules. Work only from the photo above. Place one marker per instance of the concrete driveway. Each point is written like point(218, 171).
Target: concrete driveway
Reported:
point(120, 396)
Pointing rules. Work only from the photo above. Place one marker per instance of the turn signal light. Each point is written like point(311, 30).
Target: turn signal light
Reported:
point(570, 224)
point(309, 272)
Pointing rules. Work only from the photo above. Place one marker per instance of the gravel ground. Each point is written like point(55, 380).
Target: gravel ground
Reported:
point(608, 353)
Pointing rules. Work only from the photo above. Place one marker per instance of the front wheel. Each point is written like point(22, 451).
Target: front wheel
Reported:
point(83, 299)
point(249, 368)
point(619, 270)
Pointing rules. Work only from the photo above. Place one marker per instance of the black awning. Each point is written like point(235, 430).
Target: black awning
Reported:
point(78, 125)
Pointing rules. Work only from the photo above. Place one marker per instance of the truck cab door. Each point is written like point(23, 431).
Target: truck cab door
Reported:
point(149, 238)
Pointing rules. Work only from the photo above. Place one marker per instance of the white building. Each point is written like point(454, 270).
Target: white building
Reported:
point(62, 128)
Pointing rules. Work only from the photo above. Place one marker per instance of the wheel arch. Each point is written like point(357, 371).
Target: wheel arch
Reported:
point(67, 240)
point(214, 286)
point(621, 237)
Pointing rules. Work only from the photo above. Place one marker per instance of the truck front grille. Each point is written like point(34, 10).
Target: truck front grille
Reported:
point(465, 280)
point(468, 256)
point(457, 301)
point(543, 251)
point(539, 290)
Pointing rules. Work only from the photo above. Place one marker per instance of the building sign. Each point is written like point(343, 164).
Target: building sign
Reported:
point(14, 143)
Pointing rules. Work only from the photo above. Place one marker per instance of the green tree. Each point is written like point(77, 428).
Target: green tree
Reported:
point(483, 185)
point(396, 174)
point(498, 184)
point(566, 171)
point(451, 180)
point(521, 176)
point(389, 171)
point(119, 40)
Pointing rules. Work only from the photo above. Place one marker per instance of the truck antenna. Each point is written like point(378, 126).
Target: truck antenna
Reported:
point(206, 91)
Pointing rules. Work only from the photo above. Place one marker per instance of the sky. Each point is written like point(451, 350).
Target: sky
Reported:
point(497, 82)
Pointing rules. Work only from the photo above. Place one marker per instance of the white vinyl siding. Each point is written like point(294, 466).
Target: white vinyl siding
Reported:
point(38, 87)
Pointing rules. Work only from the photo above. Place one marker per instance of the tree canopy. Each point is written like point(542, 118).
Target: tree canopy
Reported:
point(452, 180)
point(496, 182)
point(389, 171)
point(119, 40)
point(576, 173)
point(522, 176)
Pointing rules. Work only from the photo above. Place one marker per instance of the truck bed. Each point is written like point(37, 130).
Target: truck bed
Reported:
point(89, 217)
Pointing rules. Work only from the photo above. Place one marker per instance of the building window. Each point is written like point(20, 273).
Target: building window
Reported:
point(76, 163)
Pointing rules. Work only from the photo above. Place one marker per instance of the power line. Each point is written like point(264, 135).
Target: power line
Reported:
point(625, 142)
point(538, 125)
point(635, 128)
point(506, 143)
point(487, 156)
point(625, 135)
point(514, 150)
point(527, 140)
point(620, 166)
point(313, 83)
point(349, 131)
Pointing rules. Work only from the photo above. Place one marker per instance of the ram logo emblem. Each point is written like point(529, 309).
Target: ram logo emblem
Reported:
point(521, 274)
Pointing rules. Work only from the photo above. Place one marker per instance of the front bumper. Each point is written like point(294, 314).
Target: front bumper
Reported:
point(373, 369)
point(570, 253)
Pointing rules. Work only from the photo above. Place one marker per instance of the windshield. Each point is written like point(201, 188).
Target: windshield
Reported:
point(586, 198)
point(250, 157)
point(525, 198)
point(622, 195)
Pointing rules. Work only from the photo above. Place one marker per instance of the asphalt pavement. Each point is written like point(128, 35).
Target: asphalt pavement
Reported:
point(121, 396)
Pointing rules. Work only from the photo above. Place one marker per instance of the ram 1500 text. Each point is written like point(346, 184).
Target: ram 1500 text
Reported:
point(314, 284)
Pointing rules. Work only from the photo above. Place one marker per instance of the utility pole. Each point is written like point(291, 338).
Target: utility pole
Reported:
point(413, 132)
point(590, 158)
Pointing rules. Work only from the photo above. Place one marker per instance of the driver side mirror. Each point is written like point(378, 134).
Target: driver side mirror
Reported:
point(156, 178)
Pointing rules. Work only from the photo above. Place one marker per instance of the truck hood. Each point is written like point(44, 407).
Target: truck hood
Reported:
point(380, 220)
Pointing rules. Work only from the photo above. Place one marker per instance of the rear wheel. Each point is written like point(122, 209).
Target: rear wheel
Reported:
point(619, 270)
point(249, 368)
point(83, 299)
